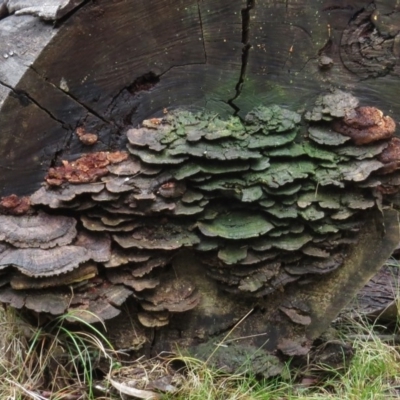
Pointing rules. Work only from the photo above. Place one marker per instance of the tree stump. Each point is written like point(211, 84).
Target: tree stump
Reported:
point(104, 66)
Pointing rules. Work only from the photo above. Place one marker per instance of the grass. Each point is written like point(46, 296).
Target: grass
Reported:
point(62, 365)
point(373, 374)
point(39, 365)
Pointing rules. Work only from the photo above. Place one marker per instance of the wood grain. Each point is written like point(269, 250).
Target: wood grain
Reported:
point(92, 68)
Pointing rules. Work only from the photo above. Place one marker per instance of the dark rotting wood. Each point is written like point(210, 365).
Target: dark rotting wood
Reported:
point(378, 298)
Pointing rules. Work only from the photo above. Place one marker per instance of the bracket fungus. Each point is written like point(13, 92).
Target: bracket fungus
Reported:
point(265, 202)
point(88, 168)
point(365, 125)
point(88, 139)
point(15, 205)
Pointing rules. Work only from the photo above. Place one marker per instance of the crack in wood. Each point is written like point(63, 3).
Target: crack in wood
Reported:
point(76, 100)
point(25, 98)
point(142, 83)
point(333, 7)
point(67, 127)
point(5, 86)
point(86, 107)
point(202, 30)
point(245, 52)
point(70, 13)
point(74, 123)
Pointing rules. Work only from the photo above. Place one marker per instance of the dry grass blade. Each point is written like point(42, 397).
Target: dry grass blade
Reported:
point(30, 393)
point(144, 377)
point(228, 334)
point(131, 391)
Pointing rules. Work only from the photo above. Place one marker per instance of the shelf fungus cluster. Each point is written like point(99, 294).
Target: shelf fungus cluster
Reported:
point(263, 202)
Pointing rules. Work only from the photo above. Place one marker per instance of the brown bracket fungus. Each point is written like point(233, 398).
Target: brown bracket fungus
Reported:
point(365, 125)
point(15, 205)
point(264, 203)
point(60, 196)
point(41, 230)
point(88, 139)
point(390, 156)
point(153, 320)
point(40, 262)
point(89, 168)
point(83, 272)
point(174, 295)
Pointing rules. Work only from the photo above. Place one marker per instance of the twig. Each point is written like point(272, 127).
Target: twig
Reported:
point(228, 334)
